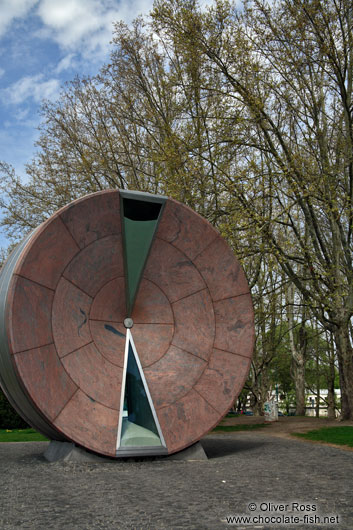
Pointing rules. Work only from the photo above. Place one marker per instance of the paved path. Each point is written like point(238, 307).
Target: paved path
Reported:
point(242, 468)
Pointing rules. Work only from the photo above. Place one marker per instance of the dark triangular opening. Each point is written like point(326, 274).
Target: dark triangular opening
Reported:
point(141, 210)
point(140, 220)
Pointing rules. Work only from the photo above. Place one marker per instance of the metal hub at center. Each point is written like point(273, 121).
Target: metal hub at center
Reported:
point(128, 323)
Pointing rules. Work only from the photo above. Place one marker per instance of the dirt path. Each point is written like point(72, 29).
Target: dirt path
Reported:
point(287, 425)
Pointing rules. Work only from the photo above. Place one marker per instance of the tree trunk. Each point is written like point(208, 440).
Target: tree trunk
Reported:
point(257, 403)
point(299, 378)
point(298, 355)
point(258, 408)
point(331, 414)
point(345, 364)
point(318, 397)
point(331, 398)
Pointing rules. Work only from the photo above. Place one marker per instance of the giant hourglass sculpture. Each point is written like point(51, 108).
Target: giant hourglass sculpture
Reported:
point(126, 325)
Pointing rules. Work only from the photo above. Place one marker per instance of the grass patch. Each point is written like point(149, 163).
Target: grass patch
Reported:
point(234, 428)
point(332, 435)
point(21, 435)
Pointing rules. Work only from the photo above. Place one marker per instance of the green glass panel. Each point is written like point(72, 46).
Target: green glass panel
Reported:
point(140, 220)
point(138, 425)
point(138, 239)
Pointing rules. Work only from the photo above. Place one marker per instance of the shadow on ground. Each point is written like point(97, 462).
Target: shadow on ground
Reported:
point(214, 447)
point(222, 447)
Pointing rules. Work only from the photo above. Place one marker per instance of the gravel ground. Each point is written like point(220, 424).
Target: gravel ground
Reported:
point(243, 468)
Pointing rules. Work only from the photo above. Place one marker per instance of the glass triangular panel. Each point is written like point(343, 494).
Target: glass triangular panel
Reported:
point(140, 216)
point(138, 428)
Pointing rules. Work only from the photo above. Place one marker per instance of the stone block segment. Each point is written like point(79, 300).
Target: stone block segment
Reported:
point(30, 306)
point(49, 253)
point(185, 229)
point(221, 271)
point(235, 325)
point(89, 424)
point(70, 315)
point(45, 379)
point(94, 375)
point(96, 265)
point(195, 324)
point(93, 217)
point(172, 272)
point(173, 376)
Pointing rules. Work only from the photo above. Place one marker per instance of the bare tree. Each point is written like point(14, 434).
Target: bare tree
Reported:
point(290, 65)
point(245, 116)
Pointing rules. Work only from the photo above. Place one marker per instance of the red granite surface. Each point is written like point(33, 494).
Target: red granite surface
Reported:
point(193, 323)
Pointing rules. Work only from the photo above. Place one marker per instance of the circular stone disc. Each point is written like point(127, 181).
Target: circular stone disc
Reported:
point(66, 323)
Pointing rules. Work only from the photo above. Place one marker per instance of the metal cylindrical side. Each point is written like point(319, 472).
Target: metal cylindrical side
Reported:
point(10, 382)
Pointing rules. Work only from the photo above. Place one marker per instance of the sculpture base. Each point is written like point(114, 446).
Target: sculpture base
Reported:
point(69, 452)
point(194, 452)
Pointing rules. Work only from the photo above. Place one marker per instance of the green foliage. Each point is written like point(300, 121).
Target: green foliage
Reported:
point(9, 419)
point(319, 375)
point(316, 346)
point(280, 366)
point(21, 435)
point(334, 435)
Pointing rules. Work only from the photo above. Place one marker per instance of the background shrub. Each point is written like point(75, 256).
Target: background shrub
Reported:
point(9, 419)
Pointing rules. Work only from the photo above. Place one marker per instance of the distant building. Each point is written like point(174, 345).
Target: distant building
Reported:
point(311, 400)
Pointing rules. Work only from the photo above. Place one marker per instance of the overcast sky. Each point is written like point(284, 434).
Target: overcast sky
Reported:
point(44, 43)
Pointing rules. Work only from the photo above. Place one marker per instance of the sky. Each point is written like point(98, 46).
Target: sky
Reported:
point(43, 44)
